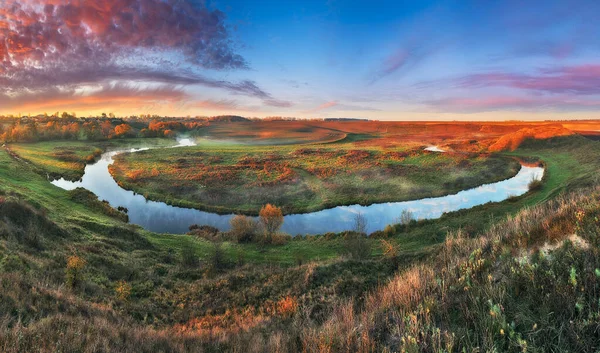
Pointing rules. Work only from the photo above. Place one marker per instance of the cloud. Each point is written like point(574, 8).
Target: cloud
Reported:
point(339, 106)
point(278, 103)
point(54, 47)
point(325, 105)
point(513, 103)
point(224, 104)
point(116, 96)
point(581, 79)
point(59, 31)
point(392, 63)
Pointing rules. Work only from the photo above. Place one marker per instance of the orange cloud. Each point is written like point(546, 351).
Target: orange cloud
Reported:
point(108, 98)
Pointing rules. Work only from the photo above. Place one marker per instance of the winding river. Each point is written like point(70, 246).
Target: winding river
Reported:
point(162, 218)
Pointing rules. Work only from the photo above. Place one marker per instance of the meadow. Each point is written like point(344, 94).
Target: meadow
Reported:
point(74, 276)
point(240, 177)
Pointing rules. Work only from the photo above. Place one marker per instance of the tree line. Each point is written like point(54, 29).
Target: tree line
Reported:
point(69, 127)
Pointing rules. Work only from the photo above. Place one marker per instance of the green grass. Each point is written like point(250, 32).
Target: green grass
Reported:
point(68, 158)
point(354, 137)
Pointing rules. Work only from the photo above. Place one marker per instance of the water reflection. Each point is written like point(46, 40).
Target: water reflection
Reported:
point(162, 218)
point(434, 149)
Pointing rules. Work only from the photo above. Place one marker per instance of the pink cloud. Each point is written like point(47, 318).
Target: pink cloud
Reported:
point(582, 79)
point(68, 44)
point(499, 103)
point(326, 105)
point(56, 30)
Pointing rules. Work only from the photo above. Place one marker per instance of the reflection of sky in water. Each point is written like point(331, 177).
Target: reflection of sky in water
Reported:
point(162, 218)
point(434, 149)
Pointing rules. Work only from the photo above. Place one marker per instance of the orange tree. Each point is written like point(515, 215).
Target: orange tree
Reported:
point(271, 218)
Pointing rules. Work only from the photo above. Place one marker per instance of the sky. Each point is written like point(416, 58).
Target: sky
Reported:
point(376, 59)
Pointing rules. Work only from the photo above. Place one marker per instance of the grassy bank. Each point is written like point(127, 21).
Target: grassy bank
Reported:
point(68, 158)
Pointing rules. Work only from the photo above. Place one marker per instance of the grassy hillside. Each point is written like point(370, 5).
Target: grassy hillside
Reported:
point(75, 277)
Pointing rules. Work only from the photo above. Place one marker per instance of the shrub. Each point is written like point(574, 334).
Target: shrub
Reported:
point(188, 257)
point(12, 263)
point(217, 257)
point(357, 245)
point(534, 184)
point(33, 239)
point(390, 251)
point(123, 290)
point(330, 235)
point(206, 232)
point(74, 272)
point(389, 231)
point(287, 307)
point(244, 229)
point(281, 239)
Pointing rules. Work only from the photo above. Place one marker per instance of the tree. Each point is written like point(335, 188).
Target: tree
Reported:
point(271, 218)
point(107, 129)
point(122, 129)
point(406, 217)
point(74, 272)
point(356, 242)
point(360, 223)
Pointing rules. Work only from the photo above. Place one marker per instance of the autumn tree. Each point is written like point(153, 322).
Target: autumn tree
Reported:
point(74, 272)
point(271, 219)
point(122, 129)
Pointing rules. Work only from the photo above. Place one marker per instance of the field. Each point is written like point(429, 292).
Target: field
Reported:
point(75, 275)
point(241, 178)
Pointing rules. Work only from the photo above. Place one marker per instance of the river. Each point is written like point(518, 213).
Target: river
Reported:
point(162, 218)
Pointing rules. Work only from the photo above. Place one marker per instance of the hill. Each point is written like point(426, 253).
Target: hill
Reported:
point(229, 119)
point(519, 275)
point(511, 141)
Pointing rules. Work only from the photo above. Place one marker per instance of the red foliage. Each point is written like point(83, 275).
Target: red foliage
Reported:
point(122, 129)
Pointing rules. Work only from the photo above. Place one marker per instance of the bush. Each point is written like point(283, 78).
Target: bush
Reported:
point(216, 258)
point(12, 263)
point(534, 184)
point(391, 250)
point(188, 257)
point(389, 231)
point(205, 232)
point(357, 245)
point(330, 235)
point(74, 272)
point(123, 290)
point(244, 229)
point(281, 239)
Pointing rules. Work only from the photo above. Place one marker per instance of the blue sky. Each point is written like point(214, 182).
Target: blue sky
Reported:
point(388, 60)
